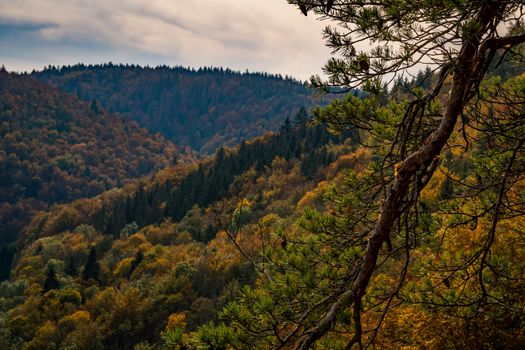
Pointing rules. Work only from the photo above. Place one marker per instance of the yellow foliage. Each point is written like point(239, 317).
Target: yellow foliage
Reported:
point(21, 326)
point(431, 191)
point(268, 194)
point(79, 316)
point(131, 244)
point(157, 266)
point(356, 160)
point(183, 237)
point(269, 219)
point(176, 320)
point(34, 289)
point(76, 243)
point(46, 337)
point(73, 321)
point(61, 218)
point(244, 204)
point(28, 266)
point(224, 254)
point(138, 240)
point(123, 267)
point(311, 196)
point(279, 164)
point(160, 234)
point(307, 199)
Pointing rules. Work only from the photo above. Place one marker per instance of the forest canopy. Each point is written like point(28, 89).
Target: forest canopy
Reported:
point(55, 148)
point(202, 108)
point(392, 218)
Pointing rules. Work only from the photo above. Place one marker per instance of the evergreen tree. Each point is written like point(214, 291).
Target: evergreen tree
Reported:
point(6, 257)
point(94, 107)
point(286, 127)
point(71, 267)
point(301, 117)
point(136, 262)
point(51, 281)
point(92, 267)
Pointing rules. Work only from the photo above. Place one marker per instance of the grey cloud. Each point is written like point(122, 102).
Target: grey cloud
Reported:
point(267, 35)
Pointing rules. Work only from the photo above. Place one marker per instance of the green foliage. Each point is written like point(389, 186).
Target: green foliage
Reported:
point(203, 108)
point(172, 338)
point(219, 337)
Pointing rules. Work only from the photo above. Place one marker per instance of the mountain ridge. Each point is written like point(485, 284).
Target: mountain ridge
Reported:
point(202, 108)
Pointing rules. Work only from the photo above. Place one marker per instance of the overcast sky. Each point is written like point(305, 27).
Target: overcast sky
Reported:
point(258, 35)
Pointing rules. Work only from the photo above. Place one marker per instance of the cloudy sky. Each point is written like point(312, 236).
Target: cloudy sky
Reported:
point(258, 35)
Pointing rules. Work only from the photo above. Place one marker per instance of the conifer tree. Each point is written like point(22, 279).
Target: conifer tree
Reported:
point(136, 262)
point(91, 268)
point(51, 281)
point(71, 268)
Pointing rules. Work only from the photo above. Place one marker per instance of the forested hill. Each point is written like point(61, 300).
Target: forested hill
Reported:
point(202, 108)
point(109, 271)
point(55, 148)
point(171, 194)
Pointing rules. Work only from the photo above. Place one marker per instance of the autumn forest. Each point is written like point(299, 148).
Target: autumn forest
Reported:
point(380, 205)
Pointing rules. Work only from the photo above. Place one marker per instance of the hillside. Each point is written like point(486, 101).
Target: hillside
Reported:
point(390, 217)
point(203, 108)
point(162, 244)
point(55, 148)
point(240, 236)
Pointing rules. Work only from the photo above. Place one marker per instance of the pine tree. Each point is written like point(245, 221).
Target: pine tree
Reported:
point(71, 268)
point(51, 281)
point(92, 267)
point(94, 107)
point(286, 127)
point(135, 263)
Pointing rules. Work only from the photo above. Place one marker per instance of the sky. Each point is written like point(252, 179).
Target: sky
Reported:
point(254, 35)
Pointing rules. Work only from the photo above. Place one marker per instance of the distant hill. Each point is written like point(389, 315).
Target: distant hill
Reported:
point(56, 148)
point(202, 108)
